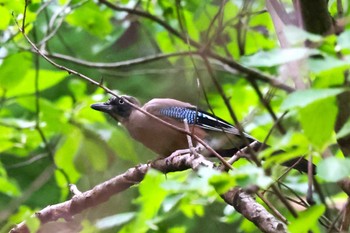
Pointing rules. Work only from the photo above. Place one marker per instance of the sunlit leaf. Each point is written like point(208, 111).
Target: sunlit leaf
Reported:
point(326, 63)
point(296, 35)
point(344, 131)
point(47, 79)
point(177, 230)
point(65, 155)
point(98, 22)
point(8, 187)
point(151, 200)
point(318, 119)
point(203, 16)
point(114, 220)
point(23, 212)
point(329, 78)
point(248, 175)
point(171, 201)
point(5, 18)
point(77, 87)
point(276, 57)
point(11, 73)
point(33, 224)
point(17, 122)
point(344, 40)
point(310, 216)
point(88, 227)
point(339, 167)
point(191, 27)
point(51, 117)
point(222, 183)
point(305, 97)
point(150, 203)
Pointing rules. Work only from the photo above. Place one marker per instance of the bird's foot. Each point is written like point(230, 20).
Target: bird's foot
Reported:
point(177, 153)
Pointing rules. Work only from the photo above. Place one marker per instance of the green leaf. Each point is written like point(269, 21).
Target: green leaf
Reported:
point(114, 220)
point(151, 197)
point(276, 57)
point(203, 16)
point(191, 27)
point(91, 156)
point(305, 97)
point(339, 167)
point(51, 117)
point(122, 144)
point(33, 224)
point(18, 123)
point(344, 131)
point(11, 73)
point(222, 182)
point(77, 87)
point(182, 229)
point(329, 78)
point(326, 63)
point(47, 79)
point(241, 92)
point(93, 19)
point(318, 119)
point(23, 212)
point(9, 187)
point(151, 201)
point(65, 156)
point(297, 35)
point(5, 18)
point(344, 40)
point(248, 175)
point(165, 42)
point(307, 220)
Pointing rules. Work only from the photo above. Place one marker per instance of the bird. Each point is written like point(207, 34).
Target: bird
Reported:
point(222, 136)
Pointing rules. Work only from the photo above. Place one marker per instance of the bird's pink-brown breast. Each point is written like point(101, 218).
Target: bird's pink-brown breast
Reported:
point(157, 136)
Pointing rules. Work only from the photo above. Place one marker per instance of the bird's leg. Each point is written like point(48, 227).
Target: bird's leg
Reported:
point(189, 140)
point(191, 149)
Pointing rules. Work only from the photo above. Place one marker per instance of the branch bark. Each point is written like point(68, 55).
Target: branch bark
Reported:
point(243, 202)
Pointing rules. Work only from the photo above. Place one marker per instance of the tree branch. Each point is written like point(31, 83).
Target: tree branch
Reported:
point(204, 51)
point(239, 199)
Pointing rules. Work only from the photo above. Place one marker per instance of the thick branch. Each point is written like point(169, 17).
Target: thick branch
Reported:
point(240, 200)
point(315, 16)
point(245, 204)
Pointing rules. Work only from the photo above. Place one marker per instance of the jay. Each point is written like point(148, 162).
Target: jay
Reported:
point(164, 140)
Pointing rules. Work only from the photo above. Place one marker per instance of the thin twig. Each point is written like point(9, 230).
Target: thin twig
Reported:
point(232, 114)
point(117, 65)
point(205, 51)
point(86, 78)
point(189, 139)
point(267, 106)
point(37, 118)
point(272, 208)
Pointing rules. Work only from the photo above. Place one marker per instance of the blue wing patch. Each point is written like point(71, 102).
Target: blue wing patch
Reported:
point(198, 117)
point(180, 113)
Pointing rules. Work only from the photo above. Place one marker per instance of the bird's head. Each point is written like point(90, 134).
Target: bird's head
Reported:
point(117, 107)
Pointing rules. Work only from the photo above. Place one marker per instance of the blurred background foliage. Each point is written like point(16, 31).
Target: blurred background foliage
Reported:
point(50, 137)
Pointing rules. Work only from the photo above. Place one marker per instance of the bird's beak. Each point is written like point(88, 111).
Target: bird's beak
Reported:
point(103, 107)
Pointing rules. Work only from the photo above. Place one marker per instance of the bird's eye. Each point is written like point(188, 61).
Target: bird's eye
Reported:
point(121, 101)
